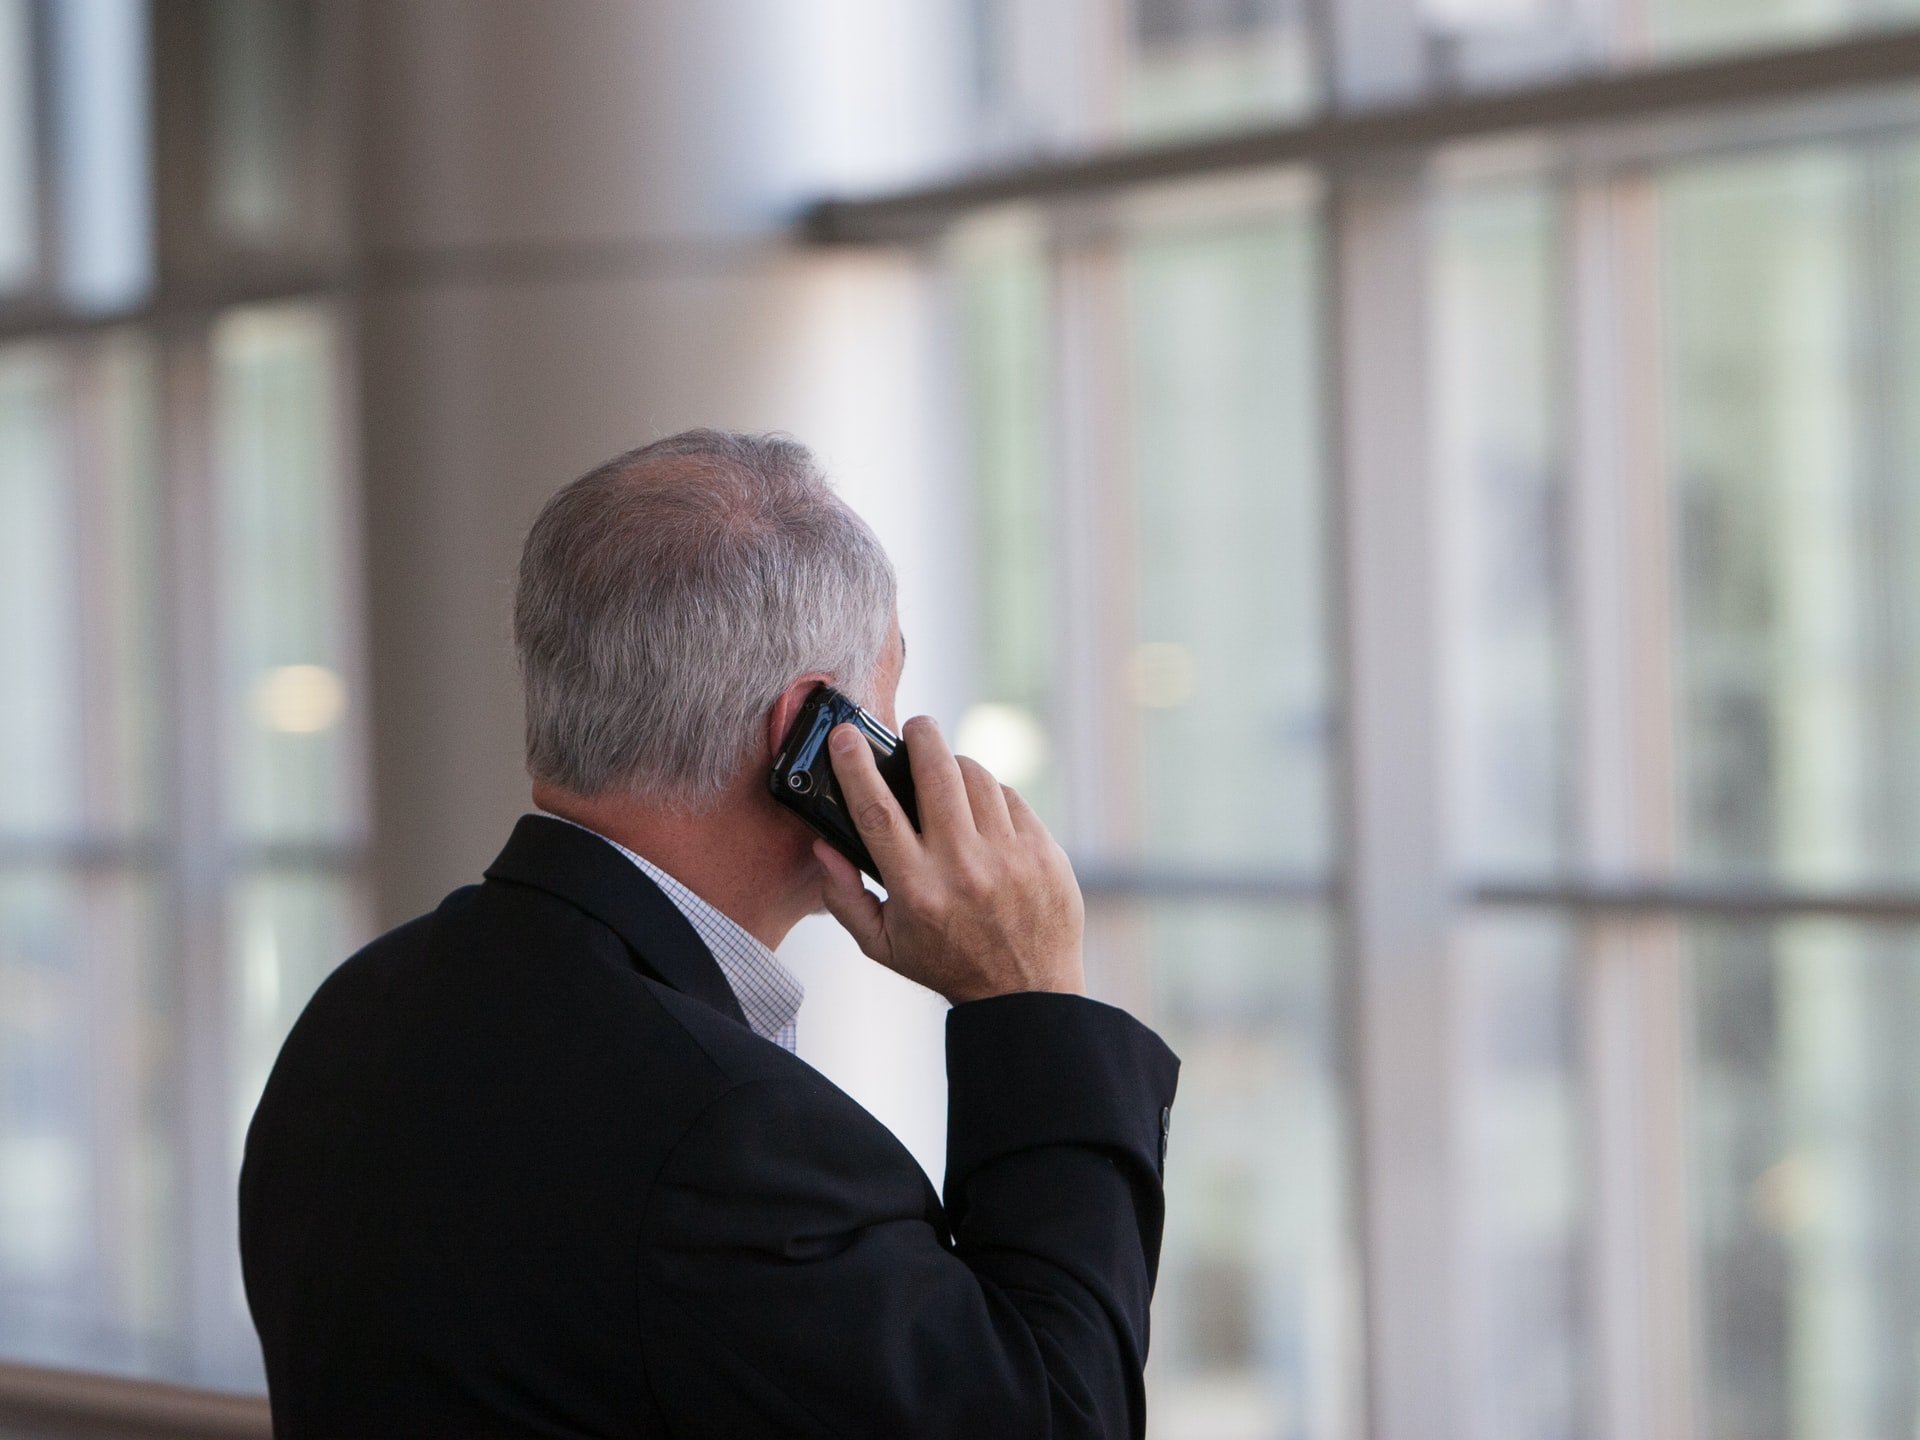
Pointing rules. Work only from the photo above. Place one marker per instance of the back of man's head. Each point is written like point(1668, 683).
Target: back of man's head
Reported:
point(667, 598)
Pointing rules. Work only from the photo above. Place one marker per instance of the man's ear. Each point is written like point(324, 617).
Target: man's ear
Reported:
point(780, 717)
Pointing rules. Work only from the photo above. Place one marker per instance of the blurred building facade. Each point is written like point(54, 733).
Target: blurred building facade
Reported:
point(1455, 598)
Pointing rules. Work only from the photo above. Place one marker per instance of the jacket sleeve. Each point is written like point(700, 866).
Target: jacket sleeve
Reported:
point(792, 1281)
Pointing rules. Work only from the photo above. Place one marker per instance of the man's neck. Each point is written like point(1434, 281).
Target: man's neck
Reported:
point(731, 856)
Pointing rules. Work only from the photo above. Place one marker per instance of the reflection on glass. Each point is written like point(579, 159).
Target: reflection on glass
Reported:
point(1522, 1187)
point(281, 505)
point(1798, 542)
point(1255, 1317)
point(87, 1274)
point(40, 717)
point(1497, 345)
point(1805, 1137)
point(1222, 709)
point(1005, 295)
point(19, 206)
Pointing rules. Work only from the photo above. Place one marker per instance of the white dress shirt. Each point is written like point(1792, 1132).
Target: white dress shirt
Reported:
point(769, 993)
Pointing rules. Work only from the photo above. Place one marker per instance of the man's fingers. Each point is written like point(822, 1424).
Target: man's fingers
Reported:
point(1021, 813)
point(938, 786)
point(990, 815)
point(851, 903)
point(876, 814)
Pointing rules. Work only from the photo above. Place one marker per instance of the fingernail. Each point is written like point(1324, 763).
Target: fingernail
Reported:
point(843, 739)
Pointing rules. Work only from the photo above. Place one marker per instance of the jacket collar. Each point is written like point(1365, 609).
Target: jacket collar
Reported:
point(589, 874)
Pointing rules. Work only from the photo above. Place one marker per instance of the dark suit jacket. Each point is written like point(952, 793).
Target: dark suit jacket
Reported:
point(522, 1169)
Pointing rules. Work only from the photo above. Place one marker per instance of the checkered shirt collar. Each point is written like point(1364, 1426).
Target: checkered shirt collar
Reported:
point(769, 993)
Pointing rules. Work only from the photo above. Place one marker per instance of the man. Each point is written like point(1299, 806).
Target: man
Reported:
point(543, 1162)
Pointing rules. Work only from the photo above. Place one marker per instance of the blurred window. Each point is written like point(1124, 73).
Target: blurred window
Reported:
point(1195, 65)
point(1017, 552)
point(293, 792)
point(1498, 446)
point(182, 808)
point(262, 141)
point(1152, 668)
point(1526, 1198)
point(1805, 1130)
point(1256, 1317)
point(101, 64)
point(1660, 434)
point(1796, 528)
point(1226, 651)
point(1067, 75)
point(87, 1271)
point(19, 160)
point(107, 839)
point(1694, 665)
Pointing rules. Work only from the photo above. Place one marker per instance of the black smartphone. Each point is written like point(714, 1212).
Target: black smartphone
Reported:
point(803, 779)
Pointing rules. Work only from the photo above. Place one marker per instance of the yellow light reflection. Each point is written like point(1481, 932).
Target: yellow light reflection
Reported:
point(299, 699)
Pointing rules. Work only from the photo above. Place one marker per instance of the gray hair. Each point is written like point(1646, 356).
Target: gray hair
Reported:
point(667, 598)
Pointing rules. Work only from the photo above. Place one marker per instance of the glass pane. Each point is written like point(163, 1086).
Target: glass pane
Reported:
point(87, 1184)
point(79, 618)
point(1256, 1316)
point(1005, 296)
point(1523, 1183)
point(101, 64)
point(1195, 65)
point(124, 619)
point(289, 930)
point(1797, 531)
point(1805, 1137)
point(283, 534)
point(19, 202)
point(263, 61)
point(1221, 717)
point(1052, 75)
point(1492, 43)
point(1497, 370)
point(1681, 27)
point(40, 703)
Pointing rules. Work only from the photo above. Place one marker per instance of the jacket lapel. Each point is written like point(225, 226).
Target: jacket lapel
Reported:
point(588, 873)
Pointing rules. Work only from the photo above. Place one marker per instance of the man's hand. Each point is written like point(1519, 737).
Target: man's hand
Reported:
point(981, 902)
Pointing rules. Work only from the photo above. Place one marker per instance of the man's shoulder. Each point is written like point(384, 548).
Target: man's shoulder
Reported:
point(498, 945)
